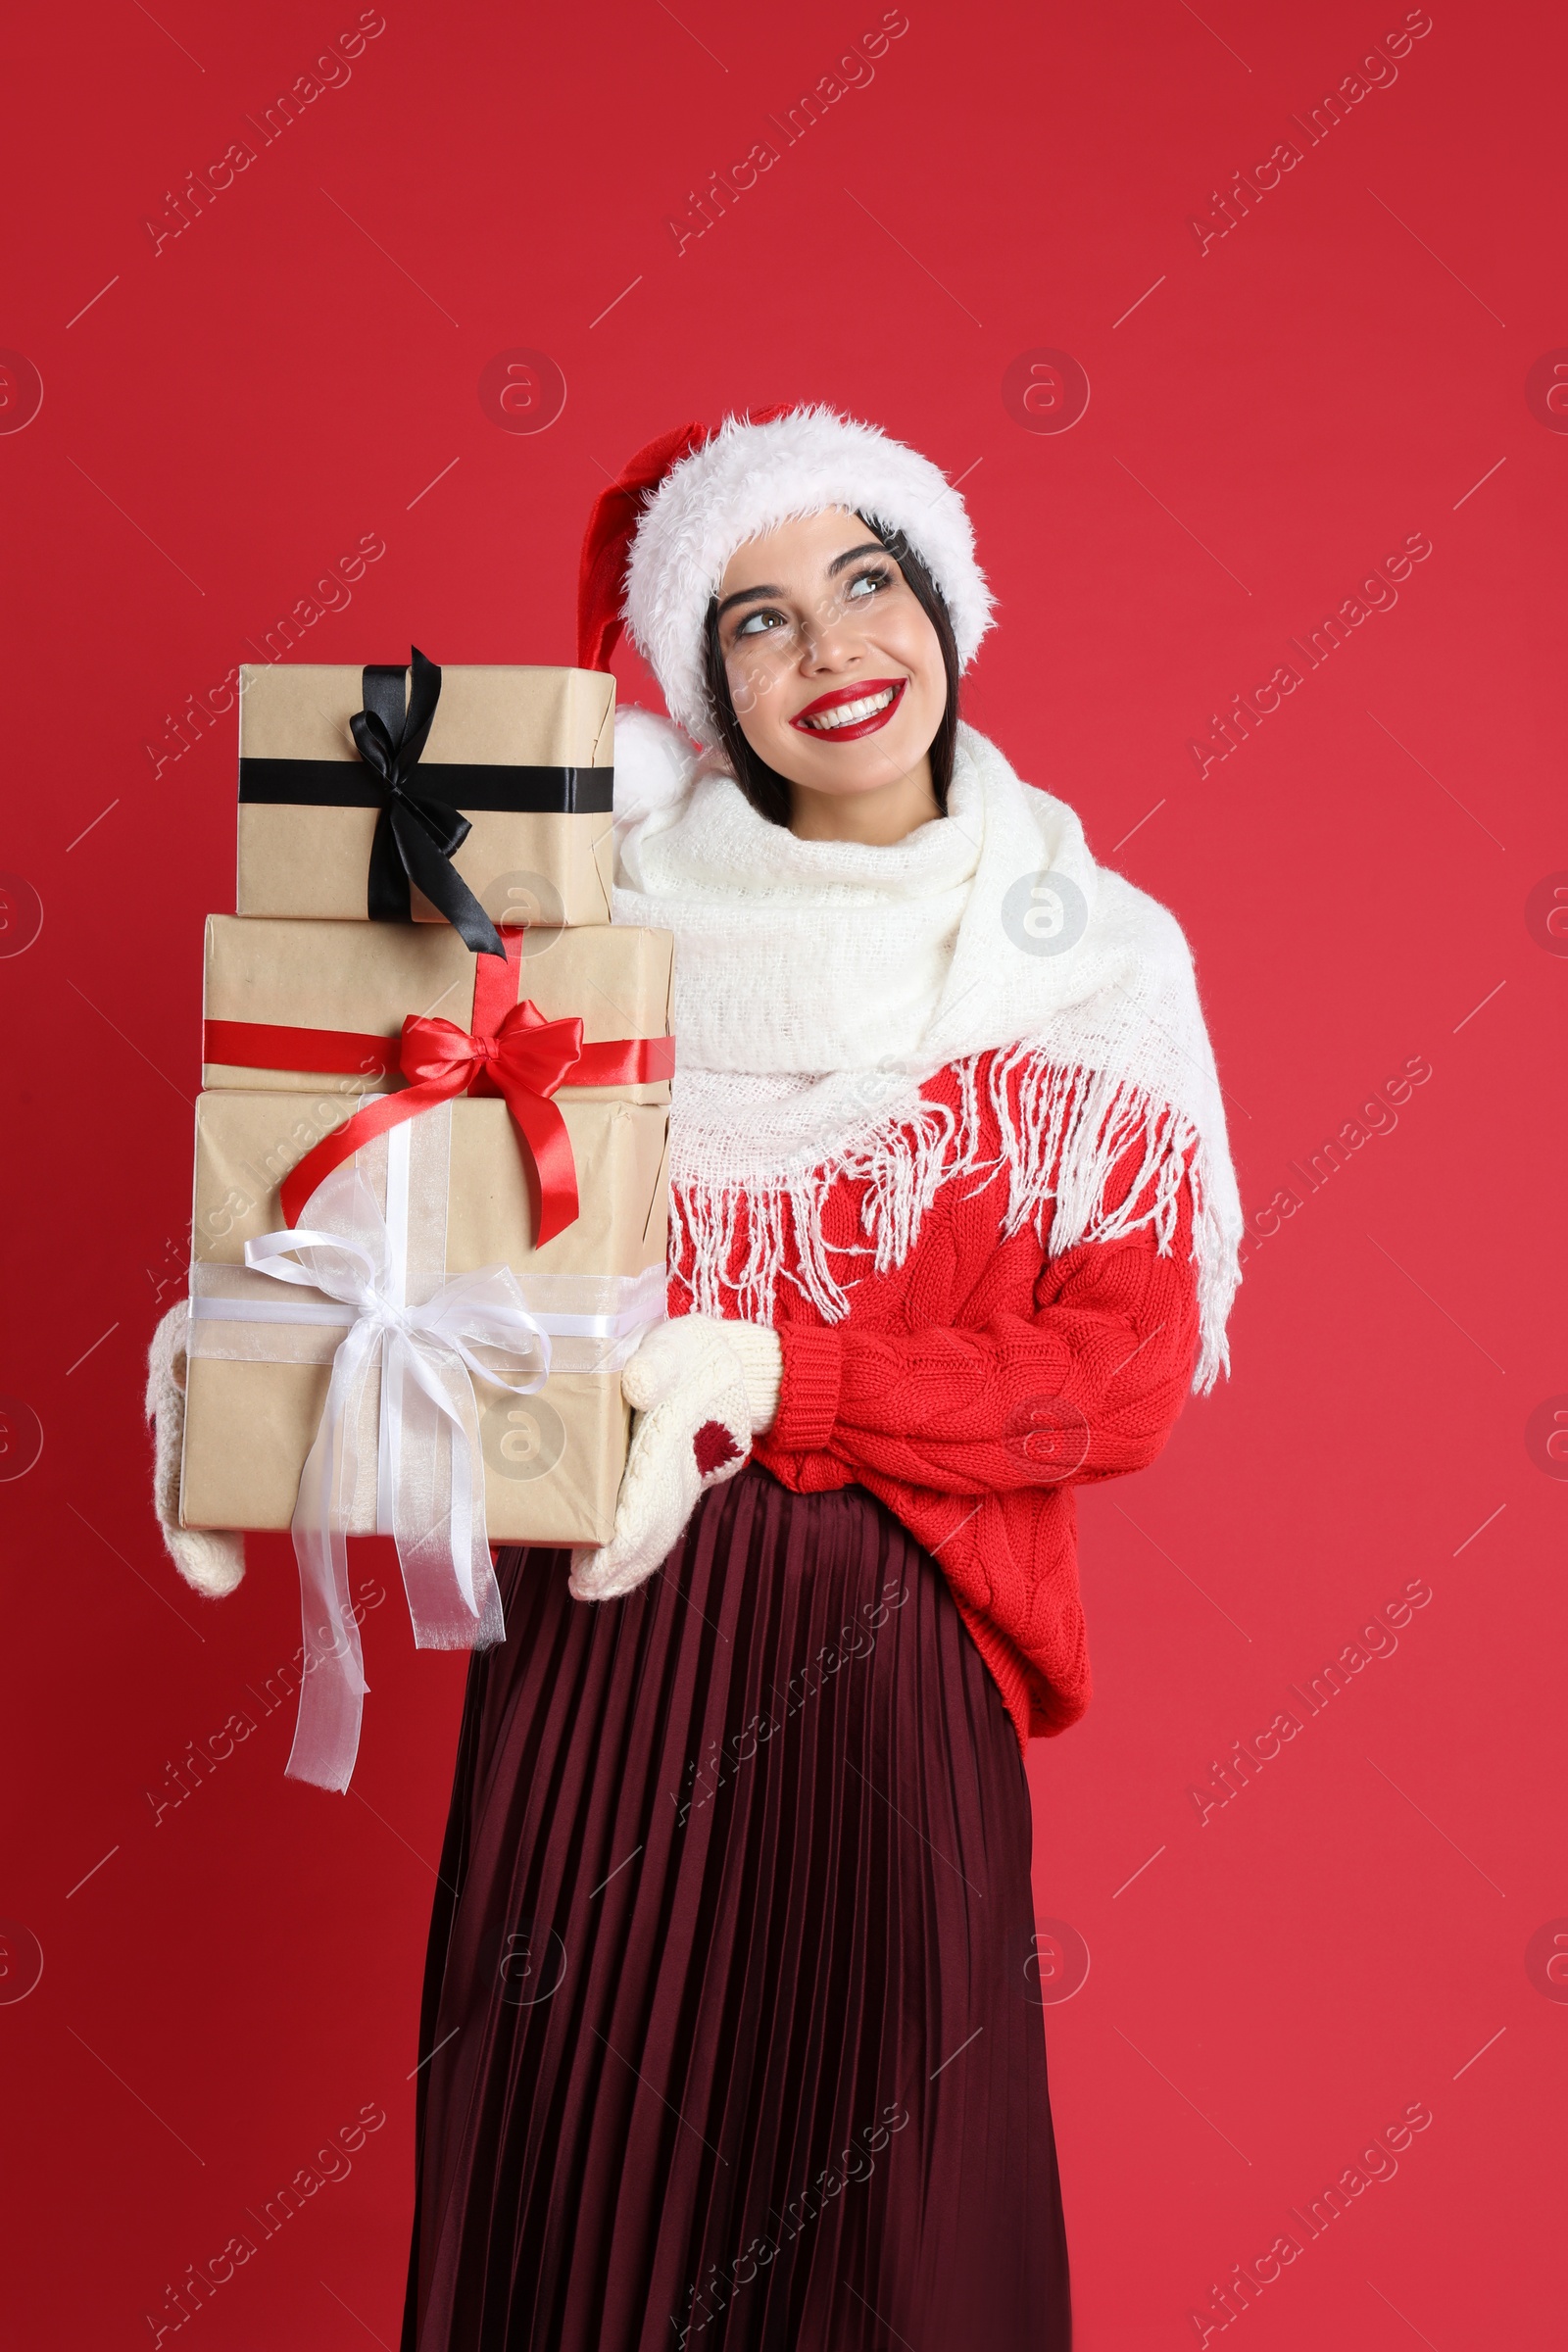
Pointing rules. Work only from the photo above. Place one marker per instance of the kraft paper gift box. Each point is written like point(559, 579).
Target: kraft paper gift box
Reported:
point(526, 753)
point(358, 981)
point(553, 1460)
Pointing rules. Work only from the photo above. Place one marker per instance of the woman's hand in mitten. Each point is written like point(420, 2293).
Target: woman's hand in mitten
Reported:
point(209, 1559)
point(701, 1388)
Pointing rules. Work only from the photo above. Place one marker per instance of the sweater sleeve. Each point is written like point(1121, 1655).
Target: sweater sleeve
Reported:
point(1050, 1373)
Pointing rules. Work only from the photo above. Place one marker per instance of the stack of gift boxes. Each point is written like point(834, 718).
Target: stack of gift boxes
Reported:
point(429, 1057)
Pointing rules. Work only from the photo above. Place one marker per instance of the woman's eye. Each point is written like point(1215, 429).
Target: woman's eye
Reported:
point(868, 581)
point(755, 624)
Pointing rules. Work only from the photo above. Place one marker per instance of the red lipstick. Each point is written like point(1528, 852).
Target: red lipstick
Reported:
point(855, 729)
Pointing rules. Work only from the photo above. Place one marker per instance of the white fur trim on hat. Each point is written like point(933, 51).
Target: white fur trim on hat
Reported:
point(654, 763)
point(750, 478)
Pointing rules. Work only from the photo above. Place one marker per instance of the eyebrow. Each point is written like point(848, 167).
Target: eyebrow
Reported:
point(745, 596)
point(851, 555)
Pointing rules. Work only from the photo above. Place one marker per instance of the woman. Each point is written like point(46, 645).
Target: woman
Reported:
point(734, 2034)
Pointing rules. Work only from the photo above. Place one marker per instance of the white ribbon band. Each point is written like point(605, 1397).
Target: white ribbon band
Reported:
point(378, 1303)
point(217, 1299)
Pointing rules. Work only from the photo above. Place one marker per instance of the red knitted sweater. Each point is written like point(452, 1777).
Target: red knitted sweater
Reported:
point(973, 1386)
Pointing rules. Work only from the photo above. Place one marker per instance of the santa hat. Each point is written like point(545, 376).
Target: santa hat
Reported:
point(662, 534)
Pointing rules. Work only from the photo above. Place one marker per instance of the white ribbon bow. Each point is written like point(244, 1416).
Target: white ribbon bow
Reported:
point(430, 1465)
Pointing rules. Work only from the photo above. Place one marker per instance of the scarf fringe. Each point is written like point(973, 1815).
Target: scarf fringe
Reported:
point(1063, 1131)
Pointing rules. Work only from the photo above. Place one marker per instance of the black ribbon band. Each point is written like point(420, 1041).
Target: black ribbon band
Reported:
point(480, 790)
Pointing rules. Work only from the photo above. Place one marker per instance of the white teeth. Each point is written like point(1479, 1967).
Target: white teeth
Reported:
point(849, 715)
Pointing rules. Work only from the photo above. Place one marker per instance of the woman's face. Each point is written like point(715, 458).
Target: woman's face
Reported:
point(835, 671)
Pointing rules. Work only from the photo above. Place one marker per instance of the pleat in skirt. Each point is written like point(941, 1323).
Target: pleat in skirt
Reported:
point(730, 2033)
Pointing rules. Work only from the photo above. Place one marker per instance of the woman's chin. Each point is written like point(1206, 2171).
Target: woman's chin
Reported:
point(853, 768)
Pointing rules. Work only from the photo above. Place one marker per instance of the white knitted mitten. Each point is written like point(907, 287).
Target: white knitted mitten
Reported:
point(701, 1388)
point(211, 1560)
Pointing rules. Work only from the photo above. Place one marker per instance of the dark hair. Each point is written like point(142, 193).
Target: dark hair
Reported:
point(767, 791)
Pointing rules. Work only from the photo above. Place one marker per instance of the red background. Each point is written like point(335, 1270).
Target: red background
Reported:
point(231, 414)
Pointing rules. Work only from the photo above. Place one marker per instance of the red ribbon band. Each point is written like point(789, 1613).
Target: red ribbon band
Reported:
point(511, 1050)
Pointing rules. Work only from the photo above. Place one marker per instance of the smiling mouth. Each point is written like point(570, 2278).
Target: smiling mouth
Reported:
point(852, 711)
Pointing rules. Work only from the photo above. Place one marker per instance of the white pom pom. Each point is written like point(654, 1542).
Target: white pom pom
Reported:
point(655, 763)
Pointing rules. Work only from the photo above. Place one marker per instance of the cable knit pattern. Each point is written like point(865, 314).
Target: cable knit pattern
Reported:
point(973, 1386)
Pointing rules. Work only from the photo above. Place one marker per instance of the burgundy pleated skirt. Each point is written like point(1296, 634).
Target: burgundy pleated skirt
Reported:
point(729, 2033)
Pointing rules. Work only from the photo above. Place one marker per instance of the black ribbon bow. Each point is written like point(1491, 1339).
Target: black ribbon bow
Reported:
point(415, 834)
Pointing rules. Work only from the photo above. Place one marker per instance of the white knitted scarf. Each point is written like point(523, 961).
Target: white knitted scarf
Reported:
point(819, 984)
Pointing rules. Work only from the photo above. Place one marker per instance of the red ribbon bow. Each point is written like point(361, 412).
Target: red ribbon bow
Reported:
point(511, 1050)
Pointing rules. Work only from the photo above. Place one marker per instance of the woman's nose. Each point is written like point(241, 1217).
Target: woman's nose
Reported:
point(831, 641)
